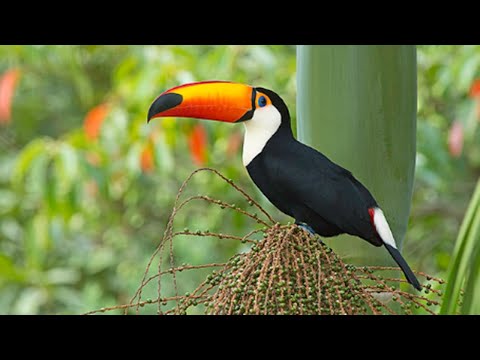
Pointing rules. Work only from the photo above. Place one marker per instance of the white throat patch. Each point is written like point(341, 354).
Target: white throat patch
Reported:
point(259, 130)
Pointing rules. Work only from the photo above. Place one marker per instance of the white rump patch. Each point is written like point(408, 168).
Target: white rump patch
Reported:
point(264, 123)
point(381, 225)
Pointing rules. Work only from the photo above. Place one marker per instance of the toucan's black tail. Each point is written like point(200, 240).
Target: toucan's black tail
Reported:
point(411, 278)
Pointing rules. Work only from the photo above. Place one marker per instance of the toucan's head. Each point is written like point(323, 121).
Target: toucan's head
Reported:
point(221, 101)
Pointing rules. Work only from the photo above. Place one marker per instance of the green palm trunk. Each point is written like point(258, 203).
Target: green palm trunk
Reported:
point(357, 105)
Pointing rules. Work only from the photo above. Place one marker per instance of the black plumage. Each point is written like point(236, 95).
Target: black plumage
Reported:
point(303, 183)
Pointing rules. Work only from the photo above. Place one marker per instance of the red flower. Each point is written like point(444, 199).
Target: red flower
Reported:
point(147, 162)
point(94, 119)
point(455, 139)
point(197, 142)
point(475, 89)
point(8, 82)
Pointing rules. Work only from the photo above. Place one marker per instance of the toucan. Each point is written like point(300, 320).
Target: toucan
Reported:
point(300, 181)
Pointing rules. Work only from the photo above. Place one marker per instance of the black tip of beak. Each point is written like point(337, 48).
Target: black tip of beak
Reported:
point(163, 103)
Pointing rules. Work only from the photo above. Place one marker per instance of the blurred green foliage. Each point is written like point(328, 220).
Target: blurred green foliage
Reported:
point(444, 182)
point(80, 216)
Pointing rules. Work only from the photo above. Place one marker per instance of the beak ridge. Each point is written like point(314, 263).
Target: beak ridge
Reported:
point(163, 103)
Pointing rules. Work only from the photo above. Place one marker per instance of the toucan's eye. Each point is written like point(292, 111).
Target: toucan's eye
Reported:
point(262, 101)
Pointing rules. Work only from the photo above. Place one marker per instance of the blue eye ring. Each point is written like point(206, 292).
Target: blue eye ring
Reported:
point(262, 101)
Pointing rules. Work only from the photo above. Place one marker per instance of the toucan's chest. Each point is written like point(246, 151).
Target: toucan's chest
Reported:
point(261, 174)
point(264, 169)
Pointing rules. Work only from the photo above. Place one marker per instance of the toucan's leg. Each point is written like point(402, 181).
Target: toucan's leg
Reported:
point(306, 227)
point(309, 229)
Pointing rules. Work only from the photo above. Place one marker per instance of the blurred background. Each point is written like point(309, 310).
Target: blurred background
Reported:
point(86, 186)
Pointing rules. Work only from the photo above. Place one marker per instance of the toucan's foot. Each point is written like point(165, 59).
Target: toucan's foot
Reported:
point(306, 227)
point(309, 230)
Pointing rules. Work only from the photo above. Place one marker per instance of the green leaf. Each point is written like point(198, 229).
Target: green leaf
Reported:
point(62, 276)
point(132, 160)
point(67, 167)
point(163, 155)
point(37, 241)
point(8, 270)
point(11, 229)
point(8, 200)
point(25, 159)
point(464, 245)
point(349, 110)
point(471, 299)
point(30, 301)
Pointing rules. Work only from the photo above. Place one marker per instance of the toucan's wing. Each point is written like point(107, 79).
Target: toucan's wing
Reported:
point(332, 192)
point(309, 178)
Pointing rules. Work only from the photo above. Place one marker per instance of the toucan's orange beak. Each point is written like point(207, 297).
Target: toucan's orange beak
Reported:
point(210, 100)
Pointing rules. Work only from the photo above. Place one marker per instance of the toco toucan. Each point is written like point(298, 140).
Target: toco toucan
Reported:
point(299, 180)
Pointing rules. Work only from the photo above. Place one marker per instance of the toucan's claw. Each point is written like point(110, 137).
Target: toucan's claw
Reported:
point(306, 227)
